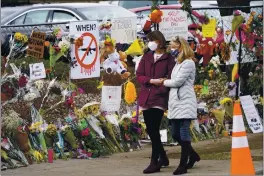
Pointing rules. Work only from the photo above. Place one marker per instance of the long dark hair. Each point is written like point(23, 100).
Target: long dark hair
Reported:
point(157, 35)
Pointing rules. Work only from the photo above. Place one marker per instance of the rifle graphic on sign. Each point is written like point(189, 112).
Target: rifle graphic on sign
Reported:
point(90, 50)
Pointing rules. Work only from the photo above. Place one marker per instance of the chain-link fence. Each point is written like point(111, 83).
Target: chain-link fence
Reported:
point(223, 17)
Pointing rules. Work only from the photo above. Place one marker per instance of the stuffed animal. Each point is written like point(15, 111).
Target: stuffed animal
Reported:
point(113, 64)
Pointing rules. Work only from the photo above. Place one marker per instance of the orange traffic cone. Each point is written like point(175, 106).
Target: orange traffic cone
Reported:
point(241, 160)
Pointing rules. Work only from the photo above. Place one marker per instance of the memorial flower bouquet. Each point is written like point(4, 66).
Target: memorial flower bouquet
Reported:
point(50, 135)
point(110, 132)
point(93, 145)
point(69, 137)
point(59, 47)
point(17, 46)
point(12, 154)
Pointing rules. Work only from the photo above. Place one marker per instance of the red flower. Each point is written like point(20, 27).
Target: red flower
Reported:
point(237, 76)
point(48, 71)
point(85, 132)
point(134, 120)
point(22, 82)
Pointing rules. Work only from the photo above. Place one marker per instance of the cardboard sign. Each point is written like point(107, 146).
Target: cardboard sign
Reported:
point(111, 98)
point(209, 29)
point(124, 30)
point(36, 44)
point(174, 23)
point(37, 71)
point(251, 114)
point(86, 58)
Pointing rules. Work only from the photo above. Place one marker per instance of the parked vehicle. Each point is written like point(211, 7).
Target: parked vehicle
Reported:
point(47, 16)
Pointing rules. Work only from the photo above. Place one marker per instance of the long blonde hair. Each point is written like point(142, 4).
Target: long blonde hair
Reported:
point(186, 51)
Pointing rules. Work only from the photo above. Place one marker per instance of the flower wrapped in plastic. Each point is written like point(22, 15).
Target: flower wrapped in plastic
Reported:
point(12, 152)
point(110, 132)
point(68, 136)
point(50, 135)
point(23, 143)
point(36, 130)
point(58, 49)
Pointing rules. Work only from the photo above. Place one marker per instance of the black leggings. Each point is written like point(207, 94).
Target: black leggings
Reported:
point(152, 118)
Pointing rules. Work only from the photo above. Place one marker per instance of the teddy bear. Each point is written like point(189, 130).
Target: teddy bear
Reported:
point(113, 64)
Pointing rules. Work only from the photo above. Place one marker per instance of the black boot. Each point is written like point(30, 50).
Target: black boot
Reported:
point(194, 157)
point(185, 152)
point(164, 160)
point(153, 167)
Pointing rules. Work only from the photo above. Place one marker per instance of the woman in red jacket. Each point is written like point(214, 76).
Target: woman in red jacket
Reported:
point(155, 65)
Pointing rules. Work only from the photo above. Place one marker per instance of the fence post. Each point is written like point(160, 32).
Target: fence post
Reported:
point(239, 62)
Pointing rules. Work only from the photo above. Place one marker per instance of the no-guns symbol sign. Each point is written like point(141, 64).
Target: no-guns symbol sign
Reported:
point(87, 54)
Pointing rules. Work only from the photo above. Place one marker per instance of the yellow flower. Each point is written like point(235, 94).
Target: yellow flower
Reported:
point(130, 93)
point(261, 100)
point(225, 100)
point(78, 113)
point(101, 84)
point(17, 36)
point(95, 109)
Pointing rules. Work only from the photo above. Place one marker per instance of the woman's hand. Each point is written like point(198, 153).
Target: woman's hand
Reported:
point(156, 82)
point(162, 80)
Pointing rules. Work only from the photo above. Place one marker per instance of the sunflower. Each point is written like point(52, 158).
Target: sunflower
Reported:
point(94, 109)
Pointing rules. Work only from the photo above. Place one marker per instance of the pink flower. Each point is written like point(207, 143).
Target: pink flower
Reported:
point(237, 13)
point(139, 130)
point(134, 120)
point(257, 68)
point(80, 90)
point(74, 94)
point(85, 132)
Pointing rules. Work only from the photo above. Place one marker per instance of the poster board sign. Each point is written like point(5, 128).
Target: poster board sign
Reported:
point(124, 30)
point(111, 98)
point(37, 71)
point(85, 55)
point(209, 29)
point(251, 114)
point(174, 23)
point(36, 44)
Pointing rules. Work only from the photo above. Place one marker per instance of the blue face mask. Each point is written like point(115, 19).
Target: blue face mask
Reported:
point(174, 52)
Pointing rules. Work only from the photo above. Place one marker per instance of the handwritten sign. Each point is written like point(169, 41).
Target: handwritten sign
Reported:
point(85, 57)
point(251, 114)
point(174, 23)
point(111, 98)
point(37, 71)
point(209, 29)
point(36, 44)
point(124, 30)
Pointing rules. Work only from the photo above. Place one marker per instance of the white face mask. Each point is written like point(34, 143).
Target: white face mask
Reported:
point(152, 46)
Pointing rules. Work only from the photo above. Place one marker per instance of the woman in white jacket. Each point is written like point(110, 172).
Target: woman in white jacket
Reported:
point(182, 104)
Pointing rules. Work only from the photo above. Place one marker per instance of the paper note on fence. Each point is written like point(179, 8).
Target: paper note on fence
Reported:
point(174, 23)
point(251, 114)
point(37, 71)
point(209, 29)
point(124, 30)
point(111, 98)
